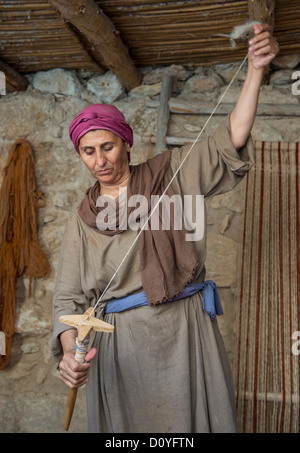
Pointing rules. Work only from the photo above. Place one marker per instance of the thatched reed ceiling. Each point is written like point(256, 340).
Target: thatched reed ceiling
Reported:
point(35, 36)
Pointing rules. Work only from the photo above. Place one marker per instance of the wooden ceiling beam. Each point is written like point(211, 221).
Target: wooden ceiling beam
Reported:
point(14, 81)
point(98, 29)
point(263, 11)
point(77, 38)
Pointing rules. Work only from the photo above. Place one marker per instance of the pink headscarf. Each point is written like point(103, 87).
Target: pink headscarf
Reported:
point(100, 116)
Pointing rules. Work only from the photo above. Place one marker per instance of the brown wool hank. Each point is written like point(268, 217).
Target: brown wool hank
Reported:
point(20, 252)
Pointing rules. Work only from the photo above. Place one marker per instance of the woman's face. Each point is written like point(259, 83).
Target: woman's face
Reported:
point(105, 155)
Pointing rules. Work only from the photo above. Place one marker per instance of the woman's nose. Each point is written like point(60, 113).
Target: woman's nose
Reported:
point(100, 158)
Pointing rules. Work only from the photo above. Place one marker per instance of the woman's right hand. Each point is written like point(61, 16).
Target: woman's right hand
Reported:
point(72, 372)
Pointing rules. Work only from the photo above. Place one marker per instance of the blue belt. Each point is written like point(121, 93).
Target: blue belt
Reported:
point(211, 300)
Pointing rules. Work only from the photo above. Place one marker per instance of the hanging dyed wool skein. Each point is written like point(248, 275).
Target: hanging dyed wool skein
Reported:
point(20, 252)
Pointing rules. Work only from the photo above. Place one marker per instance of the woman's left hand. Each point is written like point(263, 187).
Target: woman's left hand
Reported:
point(263, 47)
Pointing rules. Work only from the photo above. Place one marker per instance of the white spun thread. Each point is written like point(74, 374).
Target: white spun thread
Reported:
point(81, 348)
point(160, 198)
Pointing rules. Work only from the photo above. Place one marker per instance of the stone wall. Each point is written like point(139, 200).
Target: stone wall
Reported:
point(32, 398)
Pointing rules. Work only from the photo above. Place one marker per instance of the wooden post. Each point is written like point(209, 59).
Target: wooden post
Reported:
point(14, 80)
point(98, 29)
point(263, 11)
point(163, 114)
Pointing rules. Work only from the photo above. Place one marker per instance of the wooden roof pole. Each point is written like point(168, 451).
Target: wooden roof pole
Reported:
point(263, 11)
point(98, 29)
point(76, 37)
point(14, 80)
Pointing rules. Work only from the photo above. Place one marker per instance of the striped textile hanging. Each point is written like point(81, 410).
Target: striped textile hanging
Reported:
point(267, 350)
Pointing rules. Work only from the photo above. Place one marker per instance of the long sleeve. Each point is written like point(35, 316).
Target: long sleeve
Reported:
point(68, 297)
point(214, 166)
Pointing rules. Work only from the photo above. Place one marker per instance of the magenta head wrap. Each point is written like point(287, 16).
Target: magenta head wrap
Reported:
point(100, 116)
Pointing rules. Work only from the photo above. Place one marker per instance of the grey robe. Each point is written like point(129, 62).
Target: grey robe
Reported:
point(165, 368)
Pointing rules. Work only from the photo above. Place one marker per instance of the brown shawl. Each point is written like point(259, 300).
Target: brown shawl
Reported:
point(167, 260)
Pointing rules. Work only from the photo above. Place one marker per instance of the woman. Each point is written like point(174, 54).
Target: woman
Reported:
point(164, 369)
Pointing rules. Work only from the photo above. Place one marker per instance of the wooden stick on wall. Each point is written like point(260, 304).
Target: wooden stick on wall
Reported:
point(163, 114)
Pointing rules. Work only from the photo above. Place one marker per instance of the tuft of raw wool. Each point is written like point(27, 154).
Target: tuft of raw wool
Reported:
point(243, 32)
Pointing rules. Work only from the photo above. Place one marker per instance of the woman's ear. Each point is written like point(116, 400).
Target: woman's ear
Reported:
point(128, 151)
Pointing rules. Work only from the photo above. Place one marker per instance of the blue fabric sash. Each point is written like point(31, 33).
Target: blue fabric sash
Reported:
point(211, 300)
